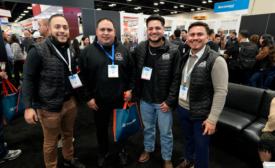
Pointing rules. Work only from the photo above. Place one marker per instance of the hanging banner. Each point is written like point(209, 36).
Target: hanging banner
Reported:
point(5, 13)
point(4, 20)
point(237, 7)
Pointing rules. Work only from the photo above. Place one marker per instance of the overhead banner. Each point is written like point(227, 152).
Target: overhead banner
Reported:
point(4, 20)
point(37, 9)
point(237, 7)
point(5, 13)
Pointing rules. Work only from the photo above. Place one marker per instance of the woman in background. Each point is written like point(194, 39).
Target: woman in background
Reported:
point(254, 39)
point(85, 41)
point(76, 47)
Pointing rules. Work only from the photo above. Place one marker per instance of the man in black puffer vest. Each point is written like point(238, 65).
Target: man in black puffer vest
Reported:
point(157, 81)
point(49, 70)
point(202, 95)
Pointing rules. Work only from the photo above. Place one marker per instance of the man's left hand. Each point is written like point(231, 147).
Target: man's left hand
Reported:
point(128, 96)
point(209, 128)
point(164, 108)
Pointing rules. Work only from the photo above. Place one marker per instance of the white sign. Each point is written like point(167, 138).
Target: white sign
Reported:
point(5, 13)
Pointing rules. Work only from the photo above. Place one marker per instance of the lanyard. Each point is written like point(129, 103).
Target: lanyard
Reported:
point(113, 52)
point(185, 41)
point(34, 41)
point(186, 75)
point(244, 41)
point(69, 58)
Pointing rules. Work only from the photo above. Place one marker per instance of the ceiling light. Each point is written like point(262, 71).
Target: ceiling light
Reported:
point(198, 8)
point(175, 6)
point(139, 8)
point(181, 6)
point(136, 8)
point(204, 2)
point(29, 7)
point(114, 4)
point(20, 16)
point(162, 3)
point(209, 1)
point(16, 21)
point(172, 12)
point(111, 5)
point(192, 9)
point(156, 4)
point(98, 9)
point(23, 14)
point(155, 10)
point(175, 12)
point(26, 11)
point(129, 0)
point(141, 13)
point(122, 11)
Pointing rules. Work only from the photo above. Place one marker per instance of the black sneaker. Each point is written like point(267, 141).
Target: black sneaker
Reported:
point(13, 154)
point(102, 160)
point(74, 163)
point(123, 157)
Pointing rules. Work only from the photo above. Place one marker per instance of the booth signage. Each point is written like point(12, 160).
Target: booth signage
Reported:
point(4, 20)
point(5, 13)
point(200, 17)
point(231, 6)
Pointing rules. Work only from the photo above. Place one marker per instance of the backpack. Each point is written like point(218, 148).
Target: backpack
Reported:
point(247, 56)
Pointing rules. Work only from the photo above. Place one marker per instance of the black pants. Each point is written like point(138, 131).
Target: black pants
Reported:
point(102, 119)
point(18, 66)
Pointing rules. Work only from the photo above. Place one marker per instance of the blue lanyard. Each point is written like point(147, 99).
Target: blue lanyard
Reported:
point(113, 52)
point(34, 41)
point(244, 41)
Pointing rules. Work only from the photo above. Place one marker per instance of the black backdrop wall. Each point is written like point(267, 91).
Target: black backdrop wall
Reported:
point(259, 24)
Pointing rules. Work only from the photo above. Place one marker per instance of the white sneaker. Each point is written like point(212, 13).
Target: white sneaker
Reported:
point(13, 154)
point(59, 145)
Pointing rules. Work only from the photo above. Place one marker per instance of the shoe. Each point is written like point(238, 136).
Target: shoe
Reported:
point(74, 163)
point(102, 160)
point(123, 157)
point(59, 145)
point(167, 164)
point(144, 157)
point(13, 154)
point(185, 164)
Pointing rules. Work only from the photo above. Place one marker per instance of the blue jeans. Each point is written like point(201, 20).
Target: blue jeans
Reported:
point(269, 78)
point(149, 113)
point(256, 79)
point(194, 140)
point(3, 150)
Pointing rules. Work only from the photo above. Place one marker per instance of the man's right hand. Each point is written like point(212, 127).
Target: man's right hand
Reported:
point(2, 74)
point(30, 116)
point(92, 105)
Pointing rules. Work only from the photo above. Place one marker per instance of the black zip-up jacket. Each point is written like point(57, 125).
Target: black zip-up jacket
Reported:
point(166, 71)
point(93, 64)
point(179, 42)
point(230, 43)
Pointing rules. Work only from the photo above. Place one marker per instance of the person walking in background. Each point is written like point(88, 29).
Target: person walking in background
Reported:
point(27, 40)
point(157, 81)
point(8, 49)
point(85, 41)
point(265, 64)
point(232, 41)
point(76, 48)
point(178, 41)
point(220, 33)
point(18, 56)
point(43, 28)
point(214, 46)
point(184, 36)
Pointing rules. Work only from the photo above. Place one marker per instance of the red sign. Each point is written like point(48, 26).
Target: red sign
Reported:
point(36, 9)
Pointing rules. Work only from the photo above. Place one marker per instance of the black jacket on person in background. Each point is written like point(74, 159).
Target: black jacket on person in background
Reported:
point(179, 42)
point(26, 42)
point(230, 43)
point(93, 64)
point(166, 71)
point(214, 46)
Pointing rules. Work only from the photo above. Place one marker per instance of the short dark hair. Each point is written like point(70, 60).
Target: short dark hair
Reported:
point(211, 31)
point(199, 24)
point(244, 33)
point(185, 31)
point(155, 17)
point(100, 20)
point(177, 33)
point(234, 33)
point(217, 35)
point(56, 15)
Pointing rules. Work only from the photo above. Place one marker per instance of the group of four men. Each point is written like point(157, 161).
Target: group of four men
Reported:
point(155, 72)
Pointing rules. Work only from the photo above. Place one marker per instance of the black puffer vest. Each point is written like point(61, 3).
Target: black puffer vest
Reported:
point(50, 85)
point(201, 91)
point(163, 68)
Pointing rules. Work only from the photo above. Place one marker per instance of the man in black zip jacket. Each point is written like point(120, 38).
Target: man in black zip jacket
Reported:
point(47, 79)
point(157, 81)
point(178, 41)
point(107, 70)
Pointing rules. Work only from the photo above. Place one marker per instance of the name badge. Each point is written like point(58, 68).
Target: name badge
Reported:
point(146, 73)
point(183, 93)
point(113, 71)
point(75, 81)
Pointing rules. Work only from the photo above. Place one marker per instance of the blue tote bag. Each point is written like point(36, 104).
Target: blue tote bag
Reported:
point(126, 122)
point(20, 108)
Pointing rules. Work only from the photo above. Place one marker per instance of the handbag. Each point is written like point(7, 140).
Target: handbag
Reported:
point(126, 122)
point(20, 108)
point(9, 102)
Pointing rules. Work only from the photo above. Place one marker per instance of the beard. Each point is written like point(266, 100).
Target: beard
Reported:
point(155, 41)
point(58, 43)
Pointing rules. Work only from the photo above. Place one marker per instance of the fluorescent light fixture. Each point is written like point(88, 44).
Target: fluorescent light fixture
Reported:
point(141, 13)
point(192, 9)
point(20, 16)
point(16, 21)
point(139, 8)
point(198, 8)
point(29, 7)
point(172, 12)
point(111, 5)
point(175, 12)
point(162, 3)
point(209, 1)
point(204, 2)
point(136, 8)
point(181, 6)
point(114, 4)
point(23, 14)
point(175, 6)
point(155, 10)
point(129, 0)
point(98, 9)
point(26, 11)
point(122, 11)
point(156, 4)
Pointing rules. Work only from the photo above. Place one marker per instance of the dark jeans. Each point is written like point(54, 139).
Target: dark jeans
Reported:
point(269, 78)
point(257, 78)
point(102, 118)
point(3, 150)
point(194, 140)
point(18, 66)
